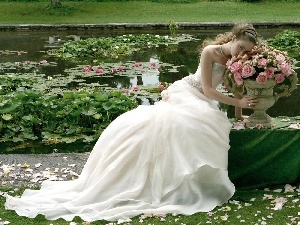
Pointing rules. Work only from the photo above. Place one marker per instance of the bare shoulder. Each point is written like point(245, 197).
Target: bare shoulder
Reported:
point(208, 50)
point(208, 55)
point(211, 54)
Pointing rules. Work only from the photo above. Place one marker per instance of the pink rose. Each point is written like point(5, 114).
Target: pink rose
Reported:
point(286, 69)
point(261, 78)
point(279, 78)
point(238, 79)
point(280, 57)
point(262, 62)
point(270, 72)
point(247, 71)
point(235, 67)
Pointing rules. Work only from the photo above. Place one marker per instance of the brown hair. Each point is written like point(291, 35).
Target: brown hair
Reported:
point(242, 31)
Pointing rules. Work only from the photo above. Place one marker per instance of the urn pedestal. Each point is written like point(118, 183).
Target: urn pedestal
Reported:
point(264, 93)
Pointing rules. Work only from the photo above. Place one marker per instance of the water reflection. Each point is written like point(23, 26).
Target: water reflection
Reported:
point(184, 55)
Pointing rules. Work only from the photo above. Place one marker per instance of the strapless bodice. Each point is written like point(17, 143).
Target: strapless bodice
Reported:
point(217, 77)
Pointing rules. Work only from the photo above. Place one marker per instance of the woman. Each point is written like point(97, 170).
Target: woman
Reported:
point(167, 158)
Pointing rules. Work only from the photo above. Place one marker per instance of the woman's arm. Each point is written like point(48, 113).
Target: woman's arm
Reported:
point(238, 111)
point(207, 59)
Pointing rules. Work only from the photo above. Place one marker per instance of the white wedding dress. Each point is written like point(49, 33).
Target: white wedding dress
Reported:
point(170, 157)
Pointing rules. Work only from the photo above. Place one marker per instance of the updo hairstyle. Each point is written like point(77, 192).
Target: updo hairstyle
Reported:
point(242, 31)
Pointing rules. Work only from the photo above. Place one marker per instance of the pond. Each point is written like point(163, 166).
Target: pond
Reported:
point(180, 61)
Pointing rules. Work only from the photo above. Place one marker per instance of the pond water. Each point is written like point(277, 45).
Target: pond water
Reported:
point(184, 56)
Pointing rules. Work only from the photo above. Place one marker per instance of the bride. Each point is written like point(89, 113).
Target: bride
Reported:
point(170, 157)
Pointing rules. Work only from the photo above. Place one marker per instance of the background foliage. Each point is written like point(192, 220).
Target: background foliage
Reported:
point(36, 108)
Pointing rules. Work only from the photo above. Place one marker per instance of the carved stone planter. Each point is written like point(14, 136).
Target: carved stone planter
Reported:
point(266, 100)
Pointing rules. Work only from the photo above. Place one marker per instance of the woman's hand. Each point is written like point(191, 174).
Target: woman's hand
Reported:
point(248, 102)
point(242, 103)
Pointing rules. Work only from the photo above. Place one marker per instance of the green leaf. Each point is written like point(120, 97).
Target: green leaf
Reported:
point(8, 107)
point(107, 106)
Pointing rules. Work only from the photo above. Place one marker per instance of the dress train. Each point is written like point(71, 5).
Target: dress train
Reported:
point(170, 157)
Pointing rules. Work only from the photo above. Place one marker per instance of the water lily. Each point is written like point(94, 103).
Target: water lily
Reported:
point(161, 86)
point(114, 70)
point(43, 62)
point(137, 64)
point(136, 88)
point(87, 69)
point(99, 70)
point(153, 65)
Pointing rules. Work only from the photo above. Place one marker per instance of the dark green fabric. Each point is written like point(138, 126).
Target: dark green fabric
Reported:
point(260, 158)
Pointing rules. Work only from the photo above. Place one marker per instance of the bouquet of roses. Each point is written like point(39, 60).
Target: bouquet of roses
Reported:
point(262, 64)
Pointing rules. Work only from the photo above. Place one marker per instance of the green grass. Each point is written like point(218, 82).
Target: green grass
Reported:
point(246, 207)
point(147, 12)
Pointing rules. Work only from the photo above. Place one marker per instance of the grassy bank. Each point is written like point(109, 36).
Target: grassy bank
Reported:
point(146, 12)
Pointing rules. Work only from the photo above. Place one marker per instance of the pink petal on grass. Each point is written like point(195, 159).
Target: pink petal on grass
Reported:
point(295, 126)
point(238, 126)
point(279, 202)
point(269, 197)
point(289, 188)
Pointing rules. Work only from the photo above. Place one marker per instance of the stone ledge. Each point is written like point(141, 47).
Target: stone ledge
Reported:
point(112, 26)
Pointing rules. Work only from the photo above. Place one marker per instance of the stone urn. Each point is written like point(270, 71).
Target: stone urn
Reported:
point(266, 98)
